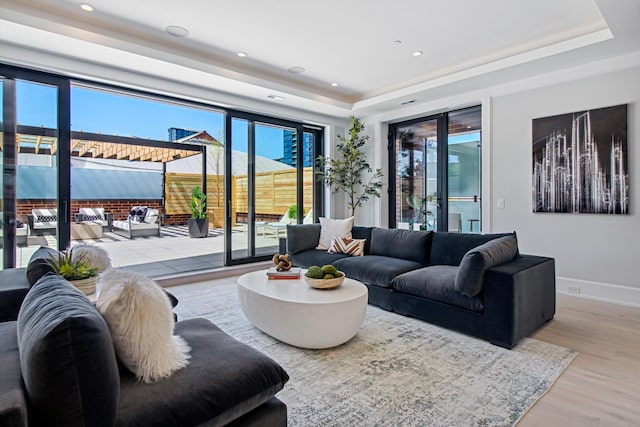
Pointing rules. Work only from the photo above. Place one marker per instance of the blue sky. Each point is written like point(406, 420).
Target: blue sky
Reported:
point(109, 113)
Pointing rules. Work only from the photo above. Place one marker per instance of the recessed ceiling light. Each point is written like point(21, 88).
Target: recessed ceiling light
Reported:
point(296, 69)
point(86, 7)
point(418, 53)
point(335, 84)
point(177, 31)
point(411, 101)
point(397, 42)
point(242, 54)
point(276, 97)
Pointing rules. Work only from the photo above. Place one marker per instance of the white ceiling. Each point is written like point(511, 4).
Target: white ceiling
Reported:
point(465, 43)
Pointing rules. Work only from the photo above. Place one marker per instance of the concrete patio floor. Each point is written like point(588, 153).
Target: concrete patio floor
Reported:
point(172, 253)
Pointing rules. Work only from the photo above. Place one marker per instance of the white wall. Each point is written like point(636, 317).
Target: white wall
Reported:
point(588, 248)
point(596, 253)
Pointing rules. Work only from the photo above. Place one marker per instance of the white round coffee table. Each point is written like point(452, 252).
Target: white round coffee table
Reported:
point(299, 315)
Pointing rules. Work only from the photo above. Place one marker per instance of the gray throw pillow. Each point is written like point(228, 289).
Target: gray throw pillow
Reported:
point(477, 260)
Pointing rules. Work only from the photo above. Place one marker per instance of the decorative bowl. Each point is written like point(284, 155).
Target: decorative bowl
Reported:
point(325, 283)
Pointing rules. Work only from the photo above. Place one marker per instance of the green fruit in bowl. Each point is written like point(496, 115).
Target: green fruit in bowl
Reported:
point(328, 276)
point(314, 272)
point(329, 269)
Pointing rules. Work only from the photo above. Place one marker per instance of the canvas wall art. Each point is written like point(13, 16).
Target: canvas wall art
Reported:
point(580, 162)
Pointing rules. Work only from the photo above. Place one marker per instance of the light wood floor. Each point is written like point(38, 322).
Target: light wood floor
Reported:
point(601, 387)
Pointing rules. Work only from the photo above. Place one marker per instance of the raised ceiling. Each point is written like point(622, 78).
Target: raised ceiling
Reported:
point(365, 47)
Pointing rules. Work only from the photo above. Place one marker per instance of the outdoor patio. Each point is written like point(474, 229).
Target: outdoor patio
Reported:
point(173, 252)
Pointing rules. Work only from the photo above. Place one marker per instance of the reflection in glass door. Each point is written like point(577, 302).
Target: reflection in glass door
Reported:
point(270, 186)
point(417, 157)
point(463, 181)
point(435, 159)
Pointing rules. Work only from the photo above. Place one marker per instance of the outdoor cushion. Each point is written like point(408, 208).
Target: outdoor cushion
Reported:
point(374, 269)
point(476, 261)
point(404, 244)
point(224, 380)
point(436, 283)
point(66, 352)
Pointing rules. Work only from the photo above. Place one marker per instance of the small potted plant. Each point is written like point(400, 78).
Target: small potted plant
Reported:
point(198, 226)
point(76, 270)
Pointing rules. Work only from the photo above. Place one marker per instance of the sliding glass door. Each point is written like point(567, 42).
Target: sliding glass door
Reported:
point(270, 184)
point(436, 161)
point(31, 212)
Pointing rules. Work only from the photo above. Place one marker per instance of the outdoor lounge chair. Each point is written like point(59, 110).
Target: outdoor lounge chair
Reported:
point(142, 221)
point(285, 220)
point(42, 220)
point(96, 215)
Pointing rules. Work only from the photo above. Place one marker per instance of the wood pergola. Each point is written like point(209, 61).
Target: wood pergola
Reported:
point(84, 147)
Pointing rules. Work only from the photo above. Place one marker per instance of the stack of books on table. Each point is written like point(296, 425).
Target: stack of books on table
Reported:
point(293, 273)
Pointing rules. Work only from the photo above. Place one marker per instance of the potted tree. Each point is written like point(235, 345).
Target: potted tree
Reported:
point(347, 172)
point(198, 226)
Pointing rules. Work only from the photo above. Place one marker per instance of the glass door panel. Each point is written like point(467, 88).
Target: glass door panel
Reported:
point(308, 177)
point(2, 204)
point(417, 182)
point(464, 161)
point(240, 163)
point(36, 179)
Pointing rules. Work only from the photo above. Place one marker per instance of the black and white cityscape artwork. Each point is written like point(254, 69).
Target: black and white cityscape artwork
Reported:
point(580, 162)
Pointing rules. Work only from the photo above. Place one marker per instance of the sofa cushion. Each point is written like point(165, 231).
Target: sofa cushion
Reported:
point(224, 380)
point(333, 227)
point(302, 237)
point(13, 289)
point(450, 248)
point(67, 359)
point(13, 402)
point(436, 283)
point(311, 257)
point(374, 269)
point(476, 261)
point(39, 264)
point(359, 232)
point(404, 244)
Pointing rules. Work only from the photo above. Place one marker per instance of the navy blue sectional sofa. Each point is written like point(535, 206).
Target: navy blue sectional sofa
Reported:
point(459, 281)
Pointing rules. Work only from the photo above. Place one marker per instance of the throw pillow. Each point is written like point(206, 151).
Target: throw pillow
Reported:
point(333, 227)
point(344, 245)
point(67, 359)
point(151, 216)
point(477, 260)
point(139, 316)
point(93, 255)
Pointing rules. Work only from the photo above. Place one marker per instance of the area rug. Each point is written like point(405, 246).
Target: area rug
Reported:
point(397, 371)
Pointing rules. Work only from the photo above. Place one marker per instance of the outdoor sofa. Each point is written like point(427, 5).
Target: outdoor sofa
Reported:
point(42, 220)
point(415, 273)
point(142, 221)
point(59, 366)
point(95, 215)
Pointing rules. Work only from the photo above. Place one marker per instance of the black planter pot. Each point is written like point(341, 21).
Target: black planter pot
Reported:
point(198, 227)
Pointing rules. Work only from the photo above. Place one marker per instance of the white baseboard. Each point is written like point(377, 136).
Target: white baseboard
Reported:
point(616, 294)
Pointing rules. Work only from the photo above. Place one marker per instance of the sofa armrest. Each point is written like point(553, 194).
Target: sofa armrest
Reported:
point(282, 245)
point(109, 218)
point(30, 220)
point(519, 297)
point(13, 401)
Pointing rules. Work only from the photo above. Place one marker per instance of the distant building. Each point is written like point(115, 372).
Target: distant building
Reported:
point(290, 149)
point(177, 133)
